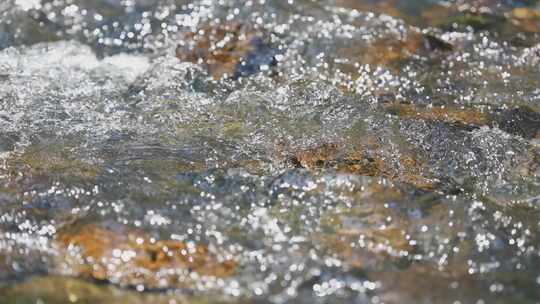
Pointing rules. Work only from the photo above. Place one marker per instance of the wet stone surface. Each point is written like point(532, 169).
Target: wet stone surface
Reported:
point(230, 49)
point(131, 258)
point(168, 151)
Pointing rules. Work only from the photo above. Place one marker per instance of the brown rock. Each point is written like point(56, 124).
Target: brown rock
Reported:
point(60, 289)
point(449, 114)
point(411, 285)
point(387, 7)
point(523, 120)
point(526, 19)
point(478, 15)
point(383, 51)
point(220, 48)
point(390, 50)
point(132, 258)
point(436, 14)
point(334, 156)
point(362, 159)
point(361, 235)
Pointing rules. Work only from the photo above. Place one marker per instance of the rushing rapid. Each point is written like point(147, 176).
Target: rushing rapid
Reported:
point(268, 151)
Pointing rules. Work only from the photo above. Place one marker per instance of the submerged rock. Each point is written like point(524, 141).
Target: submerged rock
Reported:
point(381, 7)
point(59, 290)
point(450, 114)
point(390, 50)
point(476, 15)
point(229, 49)
point(362, 160)
point(8, 141)
point(522, 121)
point(132, 258)
point(363, 236)
point(526, 19)
point(40, 167)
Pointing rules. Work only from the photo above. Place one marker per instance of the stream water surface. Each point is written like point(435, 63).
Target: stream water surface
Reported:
point(269, 151)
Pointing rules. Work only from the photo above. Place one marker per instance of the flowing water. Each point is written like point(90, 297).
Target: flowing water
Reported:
point(269, 151)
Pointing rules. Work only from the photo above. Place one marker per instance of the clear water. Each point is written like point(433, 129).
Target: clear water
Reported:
point(352, 152)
